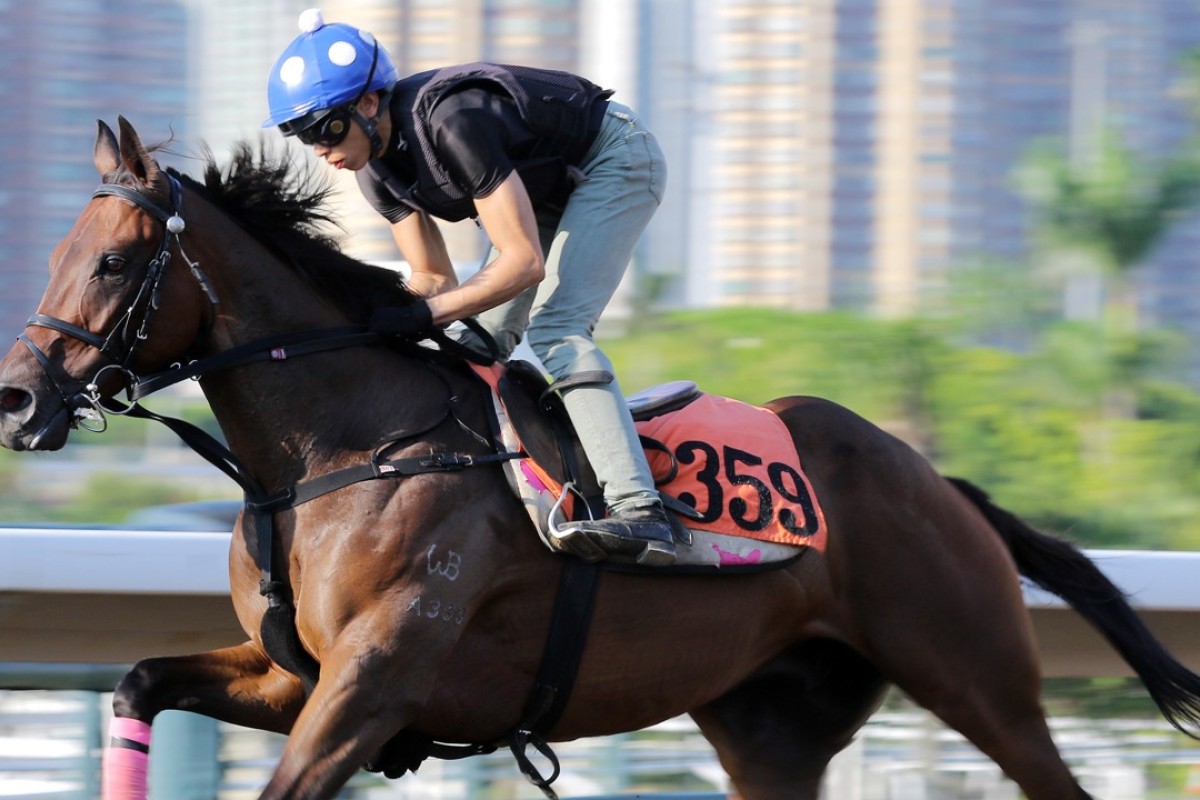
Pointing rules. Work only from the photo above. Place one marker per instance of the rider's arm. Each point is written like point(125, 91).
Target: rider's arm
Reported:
point(507, 216)
point(420, 241)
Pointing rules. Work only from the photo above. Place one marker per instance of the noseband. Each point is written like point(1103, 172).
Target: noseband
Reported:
point(133, 327)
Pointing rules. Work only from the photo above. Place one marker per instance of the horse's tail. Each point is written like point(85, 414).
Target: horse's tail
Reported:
point(1059, 567)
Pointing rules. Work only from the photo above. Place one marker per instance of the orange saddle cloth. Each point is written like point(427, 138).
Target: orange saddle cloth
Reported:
point(737, 465)
point(734, 463)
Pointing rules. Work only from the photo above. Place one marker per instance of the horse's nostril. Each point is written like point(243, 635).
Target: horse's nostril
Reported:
point(13, 400)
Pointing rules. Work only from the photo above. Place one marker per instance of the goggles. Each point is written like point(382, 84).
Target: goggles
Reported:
point(328, 127)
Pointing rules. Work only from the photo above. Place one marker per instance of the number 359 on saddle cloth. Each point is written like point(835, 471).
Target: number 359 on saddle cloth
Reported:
point(734, 463)
point(737, 465)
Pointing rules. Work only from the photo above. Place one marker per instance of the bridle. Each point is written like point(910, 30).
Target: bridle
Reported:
point(120, 344)
point(88, 405)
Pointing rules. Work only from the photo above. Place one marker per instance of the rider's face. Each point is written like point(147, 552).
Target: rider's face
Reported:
point(354, 151)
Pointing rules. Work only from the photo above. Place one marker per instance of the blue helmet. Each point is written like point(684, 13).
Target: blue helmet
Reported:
point(326, 66)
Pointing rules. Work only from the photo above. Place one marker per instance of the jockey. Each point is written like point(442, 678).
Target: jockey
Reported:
point(562, 180)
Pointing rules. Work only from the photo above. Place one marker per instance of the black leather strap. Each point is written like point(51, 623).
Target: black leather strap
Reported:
point(62, 326)
point(272, 348)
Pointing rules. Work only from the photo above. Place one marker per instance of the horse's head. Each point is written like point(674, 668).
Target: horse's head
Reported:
point(99, 317)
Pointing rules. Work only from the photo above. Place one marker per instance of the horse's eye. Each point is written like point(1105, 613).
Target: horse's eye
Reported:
point(110, 265)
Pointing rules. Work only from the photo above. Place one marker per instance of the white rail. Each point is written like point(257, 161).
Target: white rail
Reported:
point(114, 596)
point(178, 562)
point(114, 561)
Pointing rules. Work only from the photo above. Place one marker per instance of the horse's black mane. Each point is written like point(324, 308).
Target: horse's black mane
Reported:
point(282, 203)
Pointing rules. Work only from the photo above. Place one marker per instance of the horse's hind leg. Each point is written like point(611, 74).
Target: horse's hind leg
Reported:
point(946, 622)
point(1003, 718)
point(990, 694)
point(776, 732)
point(926, 591)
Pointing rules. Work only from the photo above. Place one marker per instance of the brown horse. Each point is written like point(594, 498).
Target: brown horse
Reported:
point(425, 600)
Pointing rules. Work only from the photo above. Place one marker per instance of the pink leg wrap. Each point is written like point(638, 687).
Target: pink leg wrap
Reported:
point(126, 759)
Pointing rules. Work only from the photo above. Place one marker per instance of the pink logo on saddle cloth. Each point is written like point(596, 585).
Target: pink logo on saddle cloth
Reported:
point(532, 478)
point(729, 559)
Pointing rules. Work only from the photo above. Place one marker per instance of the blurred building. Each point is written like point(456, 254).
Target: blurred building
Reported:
point(1143, 92)
point(822, 153)
point(744, 103)
point(850, 154)
point(63, 65)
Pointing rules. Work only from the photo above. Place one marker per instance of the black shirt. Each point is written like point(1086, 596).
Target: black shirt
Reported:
point(480, 137)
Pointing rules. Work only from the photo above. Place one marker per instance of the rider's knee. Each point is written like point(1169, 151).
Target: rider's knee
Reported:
point(567, 355)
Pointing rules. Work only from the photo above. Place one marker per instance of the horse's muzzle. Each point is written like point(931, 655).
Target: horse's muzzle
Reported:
point(32, 416)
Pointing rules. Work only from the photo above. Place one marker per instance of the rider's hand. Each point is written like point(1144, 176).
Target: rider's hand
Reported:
point(413, 321)
point(428, 284)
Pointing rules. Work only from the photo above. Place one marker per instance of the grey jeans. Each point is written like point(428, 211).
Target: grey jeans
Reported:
point(587, 250)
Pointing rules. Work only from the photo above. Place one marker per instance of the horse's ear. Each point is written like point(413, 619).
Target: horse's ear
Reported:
point(106, 154)
point(135, 156)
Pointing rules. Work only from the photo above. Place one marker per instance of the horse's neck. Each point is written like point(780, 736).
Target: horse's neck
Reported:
point(288, 419)
point(295, 417)
point(285, 421)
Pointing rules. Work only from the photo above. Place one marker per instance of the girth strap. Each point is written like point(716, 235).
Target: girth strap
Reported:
point(560, 666)
point(573, 605)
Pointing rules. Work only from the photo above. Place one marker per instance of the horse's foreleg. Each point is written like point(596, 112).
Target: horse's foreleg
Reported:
point(236, 684)
point(363, 698)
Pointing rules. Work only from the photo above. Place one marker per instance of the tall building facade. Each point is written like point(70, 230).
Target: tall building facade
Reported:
point(748, 126)
point(853, 153)
point(233, 44)
point(63, 65)
point(1067, 72)
point(1144, 93)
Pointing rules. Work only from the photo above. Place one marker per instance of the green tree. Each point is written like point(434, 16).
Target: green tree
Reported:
point(1112, 205)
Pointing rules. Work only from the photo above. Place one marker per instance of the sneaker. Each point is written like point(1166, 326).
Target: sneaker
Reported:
point(640, 535)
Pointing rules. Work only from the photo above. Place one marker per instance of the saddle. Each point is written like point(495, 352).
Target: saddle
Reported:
point(758, 509)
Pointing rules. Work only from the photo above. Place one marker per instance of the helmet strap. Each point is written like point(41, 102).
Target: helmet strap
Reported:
point(370, 125)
